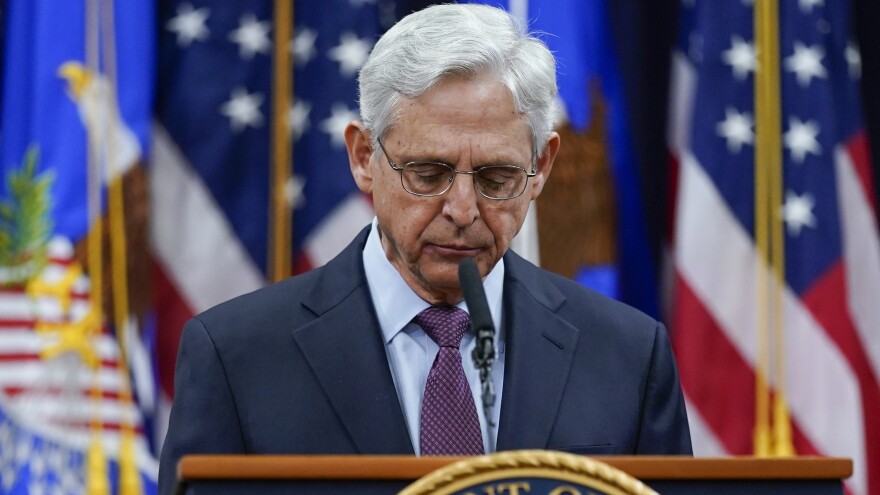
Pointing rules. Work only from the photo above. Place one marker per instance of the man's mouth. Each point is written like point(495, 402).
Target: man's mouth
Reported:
point(453, 250)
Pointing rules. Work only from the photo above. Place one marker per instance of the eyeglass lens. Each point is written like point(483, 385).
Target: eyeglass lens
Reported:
point(497, 182)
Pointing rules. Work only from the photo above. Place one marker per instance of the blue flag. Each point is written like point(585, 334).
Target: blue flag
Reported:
point(578, 34)
point(76, 103)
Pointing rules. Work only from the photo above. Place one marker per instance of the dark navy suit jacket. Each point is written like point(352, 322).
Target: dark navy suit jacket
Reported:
point(300, 368)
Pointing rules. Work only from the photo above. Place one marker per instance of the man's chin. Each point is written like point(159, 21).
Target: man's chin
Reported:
point(443, 280)
point(444, 273)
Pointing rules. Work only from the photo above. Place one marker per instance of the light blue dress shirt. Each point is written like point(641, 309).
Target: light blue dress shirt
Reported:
point(409, 349)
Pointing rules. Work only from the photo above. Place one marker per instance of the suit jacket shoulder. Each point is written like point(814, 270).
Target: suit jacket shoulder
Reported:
point(296, 367)
point(604, 369)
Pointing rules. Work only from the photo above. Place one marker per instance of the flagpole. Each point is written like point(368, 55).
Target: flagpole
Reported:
point(782, 442)
point(775, 438)
point(129, 477)
point(761, 439)
point(96, 466)
point(281, 225)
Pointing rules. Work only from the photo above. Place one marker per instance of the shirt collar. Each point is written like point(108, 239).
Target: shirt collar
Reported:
point(395, 302)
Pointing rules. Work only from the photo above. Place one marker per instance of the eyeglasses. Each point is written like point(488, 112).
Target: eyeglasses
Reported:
point(427, 178)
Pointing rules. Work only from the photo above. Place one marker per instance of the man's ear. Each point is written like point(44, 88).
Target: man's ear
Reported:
point(545, 164)
point(360, 149)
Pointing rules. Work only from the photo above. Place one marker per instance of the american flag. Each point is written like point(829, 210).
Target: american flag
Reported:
point(210, 177)
point(828, 302)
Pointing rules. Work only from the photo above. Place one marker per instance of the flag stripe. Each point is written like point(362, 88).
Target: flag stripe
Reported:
point(827, 302)
point(338, 228)
point(705, 443)
point(19, 358)
point(191, 239)
point(22, 339)
point(18, 390)
point(802, 443)
point(36, 374)
point(861, 249)
point(173, 314)
point(729, 415)
point(61, 410)
point(681, 106)
point(857, 149)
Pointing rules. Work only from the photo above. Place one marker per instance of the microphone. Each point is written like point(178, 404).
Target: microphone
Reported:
point(481, 321)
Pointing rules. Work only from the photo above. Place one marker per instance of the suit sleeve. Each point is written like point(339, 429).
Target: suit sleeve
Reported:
point(664, 424)
point(204, 418)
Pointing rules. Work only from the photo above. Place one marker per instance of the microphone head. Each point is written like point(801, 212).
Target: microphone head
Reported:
point(474, 295)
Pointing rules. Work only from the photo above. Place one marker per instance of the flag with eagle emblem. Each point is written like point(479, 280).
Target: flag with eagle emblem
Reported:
point(73, 130)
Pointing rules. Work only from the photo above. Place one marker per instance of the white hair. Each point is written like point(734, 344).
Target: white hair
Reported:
point(458, 40)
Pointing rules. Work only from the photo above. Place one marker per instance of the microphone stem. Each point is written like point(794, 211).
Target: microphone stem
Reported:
point(488, 395)
point(484, 357)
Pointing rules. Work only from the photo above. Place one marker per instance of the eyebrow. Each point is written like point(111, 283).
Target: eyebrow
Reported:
point(489, 163)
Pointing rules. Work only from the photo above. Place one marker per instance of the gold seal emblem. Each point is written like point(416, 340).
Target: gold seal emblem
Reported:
point(528, 472)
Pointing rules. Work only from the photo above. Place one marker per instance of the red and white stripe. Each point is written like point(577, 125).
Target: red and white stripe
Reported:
point(53, 397)
point(832, 332)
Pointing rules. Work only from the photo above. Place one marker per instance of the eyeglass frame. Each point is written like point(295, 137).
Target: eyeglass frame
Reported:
point(456, 172)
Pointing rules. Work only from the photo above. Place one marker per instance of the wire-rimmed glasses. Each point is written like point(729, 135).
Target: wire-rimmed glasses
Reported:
point(429, 178)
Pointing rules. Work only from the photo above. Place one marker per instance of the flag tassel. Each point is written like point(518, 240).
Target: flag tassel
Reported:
point(96, 482)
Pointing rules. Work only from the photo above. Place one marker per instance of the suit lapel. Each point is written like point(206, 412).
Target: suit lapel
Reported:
point(540, 346)
point(344, 348)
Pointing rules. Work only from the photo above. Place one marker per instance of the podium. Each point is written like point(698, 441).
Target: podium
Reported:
point(235, 474)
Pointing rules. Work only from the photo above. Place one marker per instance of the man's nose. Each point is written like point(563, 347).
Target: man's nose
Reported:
point(460, 202)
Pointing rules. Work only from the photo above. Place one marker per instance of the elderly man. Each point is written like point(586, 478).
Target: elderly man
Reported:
point(370, 354)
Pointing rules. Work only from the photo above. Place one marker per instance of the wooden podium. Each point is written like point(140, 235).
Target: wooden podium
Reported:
point(217, 474)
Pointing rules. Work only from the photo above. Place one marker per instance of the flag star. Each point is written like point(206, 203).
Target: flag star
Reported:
point(298, 118)
point(801, 139)
point(807, 5)
point(243, 109)
point(853, 59)
point(293, 191)
point(736, 128)
point(351, 53)
point(806, 63)
point(302, 46)
point(797, 212)
point(189, 24)
point(252, 36)
point(740, 56)
point(340, 116)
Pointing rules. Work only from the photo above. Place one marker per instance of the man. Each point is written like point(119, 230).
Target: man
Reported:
point(456, 140)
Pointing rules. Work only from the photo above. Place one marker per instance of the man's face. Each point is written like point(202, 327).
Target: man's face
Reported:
point(467, 124)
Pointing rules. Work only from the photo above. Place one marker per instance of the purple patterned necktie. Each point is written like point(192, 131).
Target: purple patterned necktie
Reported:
point(449, 423)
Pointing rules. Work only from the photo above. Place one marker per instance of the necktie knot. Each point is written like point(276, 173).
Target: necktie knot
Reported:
point(445, 324)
